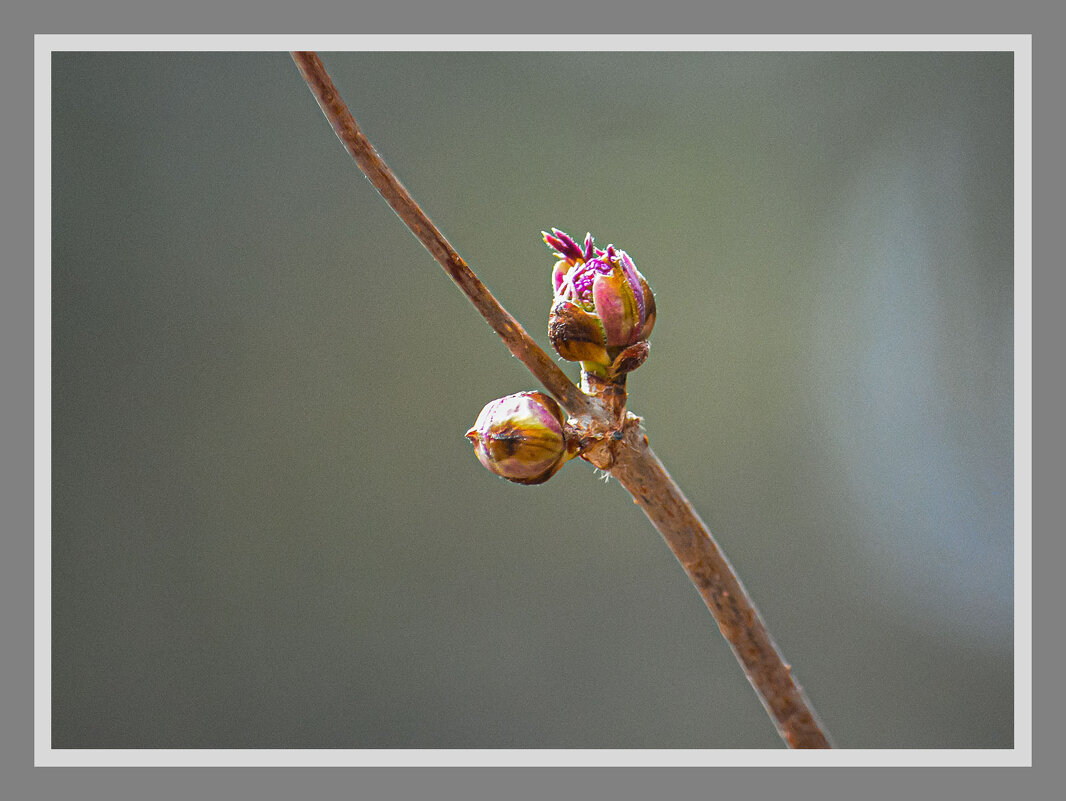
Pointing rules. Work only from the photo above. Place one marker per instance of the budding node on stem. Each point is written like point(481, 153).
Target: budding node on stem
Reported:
point(604, 311)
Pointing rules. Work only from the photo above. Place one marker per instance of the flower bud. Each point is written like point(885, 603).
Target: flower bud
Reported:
point(521, 437)
point(603, 306)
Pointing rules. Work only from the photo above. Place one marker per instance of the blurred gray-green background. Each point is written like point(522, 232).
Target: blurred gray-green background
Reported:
point(268, 530)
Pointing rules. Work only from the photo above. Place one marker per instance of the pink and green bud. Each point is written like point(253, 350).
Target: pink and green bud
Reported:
point(522, 437)
point(603, 306)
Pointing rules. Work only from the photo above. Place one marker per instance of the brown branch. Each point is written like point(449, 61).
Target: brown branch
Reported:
point(514, 336)
point(612, 440)
point(631, 460)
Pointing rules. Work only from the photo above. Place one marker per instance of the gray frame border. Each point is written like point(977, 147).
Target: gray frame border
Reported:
point(16, 410)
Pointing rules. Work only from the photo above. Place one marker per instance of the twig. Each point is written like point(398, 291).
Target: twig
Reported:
point(637, 468)
point(614, 442)
point(514, 336)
